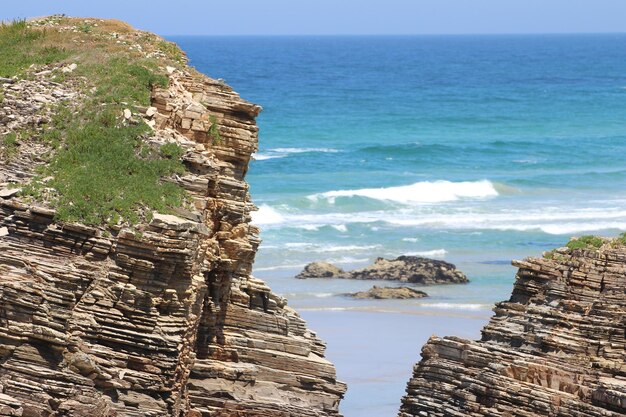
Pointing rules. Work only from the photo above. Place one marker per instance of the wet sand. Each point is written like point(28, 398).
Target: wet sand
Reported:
point(374, 352)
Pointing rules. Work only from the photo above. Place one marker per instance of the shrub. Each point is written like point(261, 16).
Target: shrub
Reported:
point(585, 242)
point(214, 131)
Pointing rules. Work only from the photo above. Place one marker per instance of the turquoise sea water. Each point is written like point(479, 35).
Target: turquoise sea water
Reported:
point(473, 149)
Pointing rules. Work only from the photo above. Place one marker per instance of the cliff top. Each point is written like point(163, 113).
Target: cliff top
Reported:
point(75, 114)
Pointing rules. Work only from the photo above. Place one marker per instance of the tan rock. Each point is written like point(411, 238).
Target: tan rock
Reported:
point(165, 319)
point(556, 348)
point(389, 293)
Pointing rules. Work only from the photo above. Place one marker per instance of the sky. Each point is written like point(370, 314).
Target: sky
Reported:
point(340, 17)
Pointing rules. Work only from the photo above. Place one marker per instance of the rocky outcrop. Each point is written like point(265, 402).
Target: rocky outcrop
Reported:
point(404, 269)
point(555, 348)
point(389, 293)
point(322, 270)
point(164, 319)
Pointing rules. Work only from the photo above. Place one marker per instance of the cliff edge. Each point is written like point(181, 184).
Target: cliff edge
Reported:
point(147, 309)
point(556, 348)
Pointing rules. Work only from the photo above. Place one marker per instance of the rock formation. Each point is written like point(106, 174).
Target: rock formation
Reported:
point(404, 269)
point(389, 293)
point(166, 320)
point(556, 348)
point(322, 270)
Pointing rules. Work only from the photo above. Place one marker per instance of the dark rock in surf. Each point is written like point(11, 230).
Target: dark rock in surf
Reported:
point(404, 269)
point(389, 293)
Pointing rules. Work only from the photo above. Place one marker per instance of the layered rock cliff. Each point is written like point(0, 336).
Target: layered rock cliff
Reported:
point(165, 318)
point(556, 348)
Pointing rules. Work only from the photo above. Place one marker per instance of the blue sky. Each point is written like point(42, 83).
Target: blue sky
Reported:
point(327, 17)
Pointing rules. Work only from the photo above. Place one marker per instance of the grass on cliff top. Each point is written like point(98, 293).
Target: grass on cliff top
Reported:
point(102, 170)
point(589, 242)
point(586, 242)
point(21, 47)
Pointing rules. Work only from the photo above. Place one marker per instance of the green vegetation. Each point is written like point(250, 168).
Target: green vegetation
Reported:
point(621, 239)
point(9, 145)
point(102, 170)
point(171, 151)
point(99, 178)
point(21, 47)
point(172, 50)
point(121, 81)
point(585, 242)
point(214, 131)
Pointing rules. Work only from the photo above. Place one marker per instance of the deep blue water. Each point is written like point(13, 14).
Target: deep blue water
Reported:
point(475, 149)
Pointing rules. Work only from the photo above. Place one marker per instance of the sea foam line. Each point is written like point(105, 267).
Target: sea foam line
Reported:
point(547, 220)
point(435, 253)
point(284, 152)
point(419, 192)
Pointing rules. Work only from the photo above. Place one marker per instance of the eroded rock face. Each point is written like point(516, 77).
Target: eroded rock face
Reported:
point(404, 269)
point(556, 348)
point(389, 293)
point(168, 321)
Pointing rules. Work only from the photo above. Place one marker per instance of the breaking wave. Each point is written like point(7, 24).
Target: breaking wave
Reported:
point(419, 192)
point(284, 152)
point(555, 222)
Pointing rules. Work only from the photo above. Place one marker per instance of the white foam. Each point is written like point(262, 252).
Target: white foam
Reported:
point(348, 260)
point(311, 247)
point(284, 152)
point(276, 267)
point(410, 239)
point(563, 220)
point(348, 248)
point(304, 150)
point(340, 227)
point(263, 157)
point(309, 227)
point(419, 192)
point(435, 253)
point(266, 215)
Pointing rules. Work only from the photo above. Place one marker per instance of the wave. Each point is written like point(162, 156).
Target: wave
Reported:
point(311, 247)
point(323, 294)
point(435, 253)
point(284, 152)
point(277, 267)
point(550, 220)
point(266, 215)
point(419, 192)
point(294, 295)
point(304, 150)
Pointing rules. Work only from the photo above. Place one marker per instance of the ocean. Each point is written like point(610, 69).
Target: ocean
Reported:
point(472, 149)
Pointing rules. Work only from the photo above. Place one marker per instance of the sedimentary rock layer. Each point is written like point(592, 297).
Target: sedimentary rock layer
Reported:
point(556, 348)
point(165, 319)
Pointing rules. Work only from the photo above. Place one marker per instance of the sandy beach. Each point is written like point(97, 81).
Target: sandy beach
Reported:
point(374, 352)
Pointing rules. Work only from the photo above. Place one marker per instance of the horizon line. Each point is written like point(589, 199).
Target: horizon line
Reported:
point(395, 34)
